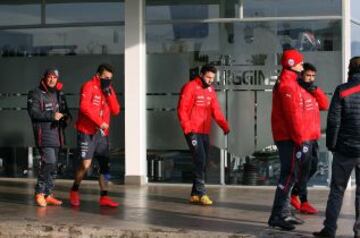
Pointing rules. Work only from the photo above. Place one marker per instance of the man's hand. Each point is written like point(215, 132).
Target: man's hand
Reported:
point(58, 116)
point(107, 91)
point(190, 135)
point(65, 120)
point(104, 126)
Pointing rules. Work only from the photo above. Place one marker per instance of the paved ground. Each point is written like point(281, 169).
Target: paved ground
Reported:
point(155, 211)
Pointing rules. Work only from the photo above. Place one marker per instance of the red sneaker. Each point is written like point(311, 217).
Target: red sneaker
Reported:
point(307, 208)
point(40, 199)
point(107, 202)
point(74, 198)
point(53, 201)
point(295, 202)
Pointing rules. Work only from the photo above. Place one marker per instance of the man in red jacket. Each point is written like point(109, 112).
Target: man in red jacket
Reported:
point(197, 106)
point(287, 128)
point(314, 100)
point(97, 103)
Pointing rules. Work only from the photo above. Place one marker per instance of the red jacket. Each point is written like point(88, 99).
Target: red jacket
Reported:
point(313, 102)
point(197, 105)
point(95, 107)
point(287, 109)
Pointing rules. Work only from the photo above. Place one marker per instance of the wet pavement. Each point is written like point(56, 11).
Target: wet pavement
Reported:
point(155, 211)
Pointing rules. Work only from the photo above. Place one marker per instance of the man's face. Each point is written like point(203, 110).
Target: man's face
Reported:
point(309, 76)
point(106, 75)
point(208, 77)
point(51, 80)
point(298, 68)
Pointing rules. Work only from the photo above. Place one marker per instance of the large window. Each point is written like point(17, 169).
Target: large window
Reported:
point(355, 28)
point(75, 37)
point(62, 41)
point(246, 44)
point(247, 55)
point(354, 8)
point(355, 39)
point(290, 8)
point(184, 10)
point(73, 12)
point(20, 12)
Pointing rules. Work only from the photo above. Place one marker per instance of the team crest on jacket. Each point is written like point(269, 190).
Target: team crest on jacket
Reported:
point(209, 89)
point(194, 142)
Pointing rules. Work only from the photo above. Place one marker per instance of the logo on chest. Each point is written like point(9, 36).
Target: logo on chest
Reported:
point(202, 100)
point(96, 100)
point(50, 107)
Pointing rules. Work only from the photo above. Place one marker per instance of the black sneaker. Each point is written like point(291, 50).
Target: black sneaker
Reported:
point(281, 223)
point(324, 234)
point(294, 220)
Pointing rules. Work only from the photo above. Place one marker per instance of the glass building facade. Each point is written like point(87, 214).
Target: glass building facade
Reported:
point(75, 37)
point(355, 28)
point(243, 38)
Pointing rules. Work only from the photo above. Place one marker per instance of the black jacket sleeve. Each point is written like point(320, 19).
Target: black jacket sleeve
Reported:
point(333, 121)
point(34, 108)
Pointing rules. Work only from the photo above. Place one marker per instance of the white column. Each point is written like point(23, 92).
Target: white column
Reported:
point(346, 36)
point(241, 9)
point(135, 93)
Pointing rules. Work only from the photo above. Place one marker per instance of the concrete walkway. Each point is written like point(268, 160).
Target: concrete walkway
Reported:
point(155, 211)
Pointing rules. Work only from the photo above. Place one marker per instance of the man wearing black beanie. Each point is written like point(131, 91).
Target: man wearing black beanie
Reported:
point(50, 115)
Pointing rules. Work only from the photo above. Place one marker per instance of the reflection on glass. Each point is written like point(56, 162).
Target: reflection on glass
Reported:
point(355, 40)
point(289, 8)
point(247, 56)
point(57, 12)
point(20, 13)
point(180, 10)
point(355, 6)
point(62, 41)
point(263, 168)
point(245, 37)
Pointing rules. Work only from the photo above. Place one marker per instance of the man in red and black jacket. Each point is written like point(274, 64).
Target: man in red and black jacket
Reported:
point(98, 102)
point(314, 101)
point(288, 132)
point(343, 140)
point(197, 106)
point(49, 115)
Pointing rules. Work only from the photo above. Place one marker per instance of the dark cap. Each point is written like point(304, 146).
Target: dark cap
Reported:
point(51, 71)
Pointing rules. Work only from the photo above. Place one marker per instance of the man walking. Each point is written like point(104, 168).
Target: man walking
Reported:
point(343, 139)
point(287, 128)
point(314, 100)
point(197, 106)
point(98, 102)
point(50, 115)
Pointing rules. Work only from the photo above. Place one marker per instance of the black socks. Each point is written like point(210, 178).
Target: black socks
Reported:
point(75, 187)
